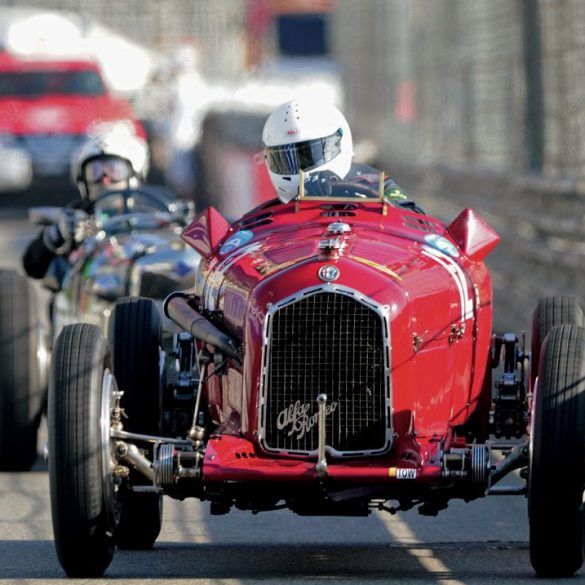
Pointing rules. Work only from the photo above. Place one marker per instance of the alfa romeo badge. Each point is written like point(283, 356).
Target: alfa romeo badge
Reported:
point(328, 273)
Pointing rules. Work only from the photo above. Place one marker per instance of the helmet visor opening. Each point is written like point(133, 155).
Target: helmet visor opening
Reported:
point(289, 159)
point(115, 168)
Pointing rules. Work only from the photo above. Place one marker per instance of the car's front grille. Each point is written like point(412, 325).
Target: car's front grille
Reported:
point(326, 343)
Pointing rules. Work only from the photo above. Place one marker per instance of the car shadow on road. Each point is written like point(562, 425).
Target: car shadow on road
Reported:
point(457, 562)
point(325, 561)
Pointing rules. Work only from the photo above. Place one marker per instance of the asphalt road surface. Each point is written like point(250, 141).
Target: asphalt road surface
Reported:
point(475, 543)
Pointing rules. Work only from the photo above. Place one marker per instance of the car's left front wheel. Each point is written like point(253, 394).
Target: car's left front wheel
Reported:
point(557, 455)
point(136, 337)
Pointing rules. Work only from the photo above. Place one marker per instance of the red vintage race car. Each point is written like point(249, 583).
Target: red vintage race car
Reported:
point(334, 355)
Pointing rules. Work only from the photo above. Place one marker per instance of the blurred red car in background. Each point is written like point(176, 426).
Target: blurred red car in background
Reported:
point(47, 108)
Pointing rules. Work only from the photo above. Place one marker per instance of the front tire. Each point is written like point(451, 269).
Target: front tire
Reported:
point(22, 374)
point(136, 338)
point(82, 496)
point(557, 455)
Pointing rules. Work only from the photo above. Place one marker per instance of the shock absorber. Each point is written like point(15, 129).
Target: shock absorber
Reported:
point(509, 409)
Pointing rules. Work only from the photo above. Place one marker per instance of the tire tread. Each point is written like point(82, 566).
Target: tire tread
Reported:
point(84, 547)
point(21, 397)
point(135, 334)
point(557, 474)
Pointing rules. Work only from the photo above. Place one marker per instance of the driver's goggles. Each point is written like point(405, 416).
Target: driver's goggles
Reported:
point(288, 159)
point(115, 168)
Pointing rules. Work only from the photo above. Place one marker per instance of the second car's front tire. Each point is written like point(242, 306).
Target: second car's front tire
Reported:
point(22, 372)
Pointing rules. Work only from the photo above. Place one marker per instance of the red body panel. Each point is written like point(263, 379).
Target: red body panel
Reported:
point(438, 300)
point(234, 459)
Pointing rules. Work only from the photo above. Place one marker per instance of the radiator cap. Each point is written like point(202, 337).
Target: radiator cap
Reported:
point(338, 227)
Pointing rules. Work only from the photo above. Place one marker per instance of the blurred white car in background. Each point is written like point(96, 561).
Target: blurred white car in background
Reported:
point(15, 168)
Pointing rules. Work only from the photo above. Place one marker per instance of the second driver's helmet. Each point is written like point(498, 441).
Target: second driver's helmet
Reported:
point(307, 136)
point(114, 158)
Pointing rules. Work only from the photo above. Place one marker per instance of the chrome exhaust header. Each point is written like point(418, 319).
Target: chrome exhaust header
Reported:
point(129, 453)
point(178, 308)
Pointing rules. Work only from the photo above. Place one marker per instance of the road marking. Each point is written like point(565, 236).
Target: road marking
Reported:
point(198, 518)
point(185, 526)
point(400, 531)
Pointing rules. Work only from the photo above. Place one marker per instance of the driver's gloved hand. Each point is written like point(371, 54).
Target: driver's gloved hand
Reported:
point(320, 184)
point(59, 237)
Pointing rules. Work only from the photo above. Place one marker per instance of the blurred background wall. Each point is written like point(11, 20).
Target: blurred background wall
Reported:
point(467, 103)
point(497, 84)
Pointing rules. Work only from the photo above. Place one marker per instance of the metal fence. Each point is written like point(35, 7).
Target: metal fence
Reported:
point(495, 84)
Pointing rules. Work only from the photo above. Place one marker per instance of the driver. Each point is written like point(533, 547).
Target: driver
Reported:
point(314, 137)
point(113, 159)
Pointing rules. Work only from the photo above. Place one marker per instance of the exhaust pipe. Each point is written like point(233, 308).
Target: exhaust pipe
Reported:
point(178, 309)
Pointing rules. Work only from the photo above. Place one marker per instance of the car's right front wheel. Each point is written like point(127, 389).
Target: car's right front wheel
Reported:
point(557, 455)
point(83, 498)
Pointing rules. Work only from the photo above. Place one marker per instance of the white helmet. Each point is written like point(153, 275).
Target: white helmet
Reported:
point(308, 136)
point(113, 145)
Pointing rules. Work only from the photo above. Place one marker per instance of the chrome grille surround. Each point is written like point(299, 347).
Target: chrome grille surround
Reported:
point(352, 415)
